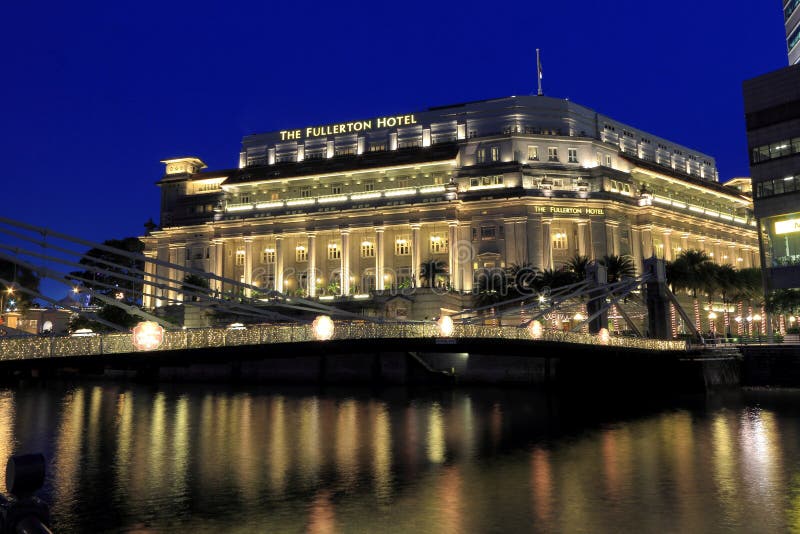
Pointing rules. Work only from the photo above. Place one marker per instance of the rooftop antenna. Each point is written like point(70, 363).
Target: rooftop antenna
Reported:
point(539, 72)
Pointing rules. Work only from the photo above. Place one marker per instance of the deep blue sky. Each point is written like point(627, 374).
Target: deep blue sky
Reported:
point(95, 94)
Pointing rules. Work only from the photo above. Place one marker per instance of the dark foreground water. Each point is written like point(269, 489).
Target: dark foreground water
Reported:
point(199, 459)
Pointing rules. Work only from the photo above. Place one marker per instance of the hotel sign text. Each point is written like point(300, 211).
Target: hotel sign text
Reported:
point(348, 127)
point(787, 227)
point(558, 210)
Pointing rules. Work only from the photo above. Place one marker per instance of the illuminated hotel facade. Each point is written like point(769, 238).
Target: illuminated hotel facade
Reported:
point(352, 210)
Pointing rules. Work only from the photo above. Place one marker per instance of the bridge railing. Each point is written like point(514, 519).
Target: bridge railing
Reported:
point(109, 344)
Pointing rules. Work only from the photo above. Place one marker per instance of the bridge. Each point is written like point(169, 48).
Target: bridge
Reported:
point(278, 319)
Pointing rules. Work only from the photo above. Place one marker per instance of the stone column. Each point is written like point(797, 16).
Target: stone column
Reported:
point(279, 263)
point(647, 242)
point(452, 254)
point(416, 256)
point(379, 282)
point(547, 244)
point(732, 255)
point(465, 258)
point(248, 264)
point(147, 289)
point(718, 252)
point(219, 258)
point(510, 242)
point(667, 245)
point(344, 276)
point(582, 238)
point(521, 239)
point(636, 249)
point(701, 244)
point(172, 294)
point(684, 242)
point(311, 273)
point(614, 231)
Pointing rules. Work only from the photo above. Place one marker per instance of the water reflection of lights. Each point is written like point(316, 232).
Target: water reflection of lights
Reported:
point(7, 413)
point(347, 441)
point(278, 447)
point(381, 450)
point(542, 486)
point(760, 455)
point(436, 435)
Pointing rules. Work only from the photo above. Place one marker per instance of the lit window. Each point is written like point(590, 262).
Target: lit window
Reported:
point(300, 253)
point(245, 199)
point(369, 186)
point(559, 239)
point(274, 196)
point(336, 189)
point(608, 161)
point(488, 233)
point(480, 155)
point(573, 155)
point(268, 256)
point(367, 249)
point(402, 247)
point(533, 153)
point(305, 192)
point(240, 257)
point(552, 153)
point(495, 151)
point(334, 252)
point(403, 182)
point(438, 244)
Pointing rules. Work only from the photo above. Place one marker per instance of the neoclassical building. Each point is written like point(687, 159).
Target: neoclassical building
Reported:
point(353, 210)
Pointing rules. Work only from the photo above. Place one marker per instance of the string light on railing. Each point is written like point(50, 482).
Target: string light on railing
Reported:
point(604, 336)
point(323, 328)
point(535, 329)
point(446, 326)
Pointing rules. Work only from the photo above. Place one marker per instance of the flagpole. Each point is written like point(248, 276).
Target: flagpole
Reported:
point(539, 72)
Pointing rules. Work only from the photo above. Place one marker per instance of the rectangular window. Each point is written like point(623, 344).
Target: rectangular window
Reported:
point(300, 253)
point(552, 153)
point(377, 147)
point(245, 199)
point(438, 244)
point(608, 161)
point(336, 189)
point(559, 239)
point(533, 153)
point(402, 247)
point(367, 249)
point(268, 255)
point(480, 155)
point(334, 251)
point(240, 257)
point(488, 233)
point(369, 186)
point(495, 151)
point(274, 196)
point(304, 192)
point(403, 182)
point(573, 155)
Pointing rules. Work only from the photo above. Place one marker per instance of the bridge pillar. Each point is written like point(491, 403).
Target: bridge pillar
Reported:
point(659, 323)
point(582, 238)
point(217, 268)
point(597, 275)
point(147, 288)
point(248, 263)
point(547, 244)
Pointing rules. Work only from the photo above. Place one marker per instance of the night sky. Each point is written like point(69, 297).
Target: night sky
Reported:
point(95, 94)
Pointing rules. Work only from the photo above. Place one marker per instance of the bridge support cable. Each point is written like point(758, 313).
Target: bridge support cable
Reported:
point(631, 324)
point(473, 312)
point(685, 316)
point(630, 285)
point(58, 277)
point(173, 284)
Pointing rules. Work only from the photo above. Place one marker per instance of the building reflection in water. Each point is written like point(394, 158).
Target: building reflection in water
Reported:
point(451, 463)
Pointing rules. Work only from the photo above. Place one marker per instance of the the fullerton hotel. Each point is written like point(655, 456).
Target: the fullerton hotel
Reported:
point(354, 209)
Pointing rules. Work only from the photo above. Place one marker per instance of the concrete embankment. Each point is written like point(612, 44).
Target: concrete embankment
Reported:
point(771, 366)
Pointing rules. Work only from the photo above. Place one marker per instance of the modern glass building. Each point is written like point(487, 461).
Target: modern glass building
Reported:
point(353, 210)
point(791, 17)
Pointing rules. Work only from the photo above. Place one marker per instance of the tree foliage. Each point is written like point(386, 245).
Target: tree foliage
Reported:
point(18, 276)
point(113, 280)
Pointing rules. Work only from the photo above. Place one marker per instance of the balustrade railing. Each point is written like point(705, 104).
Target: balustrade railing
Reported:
point(121, 343)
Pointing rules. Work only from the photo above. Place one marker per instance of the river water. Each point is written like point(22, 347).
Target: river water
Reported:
point(131, 458)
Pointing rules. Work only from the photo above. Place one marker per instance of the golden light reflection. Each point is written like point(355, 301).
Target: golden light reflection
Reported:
point(68, 452)
point(761, 455)
point(436, 434)
point(381, 450)
point(245, 461)
point(7, 413)
point(346, 447)
point(496, 424)
point(321, 517)
point(451, 500)
point(309, 443)
point(726, 475)
point(181, 445)
point(122, 465)
point(542, 486)
point(278, 444)
point(156, 451)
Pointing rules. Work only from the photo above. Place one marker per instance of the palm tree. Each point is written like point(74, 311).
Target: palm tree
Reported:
point(685, 274)
point(194, 280)
point(430, 270)
point(618, 267)
point(578, 264)
point(522, 279)
point(726, 284)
